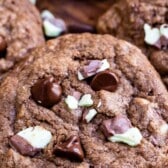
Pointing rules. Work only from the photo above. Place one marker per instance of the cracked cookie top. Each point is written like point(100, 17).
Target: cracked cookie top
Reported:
point(84, 101)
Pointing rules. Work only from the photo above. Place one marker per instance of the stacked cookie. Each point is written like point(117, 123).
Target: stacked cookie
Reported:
point(83, 100)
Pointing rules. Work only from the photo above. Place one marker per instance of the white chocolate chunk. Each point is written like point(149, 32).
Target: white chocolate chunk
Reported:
point(131, 137)
point(33, 1)
point(152, 35)
point(71, 102)
point(36, 136)
point(86, 100)
point(164, 30)
point(90, 115)
point(105, 65)
point(47, 14)
point(99, 104)
point(50, 29)
point(80, 76)
point(164, 129)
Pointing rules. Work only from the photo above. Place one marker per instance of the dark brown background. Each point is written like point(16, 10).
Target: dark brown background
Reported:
point(79, 15)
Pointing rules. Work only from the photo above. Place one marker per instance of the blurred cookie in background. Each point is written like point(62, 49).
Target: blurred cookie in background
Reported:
point(73, 16)
point(20, 31)
point(143, 23)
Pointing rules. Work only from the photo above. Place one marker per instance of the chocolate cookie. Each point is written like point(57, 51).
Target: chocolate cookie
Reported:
point(84, 101)
point(20, 31)
point(143, 23)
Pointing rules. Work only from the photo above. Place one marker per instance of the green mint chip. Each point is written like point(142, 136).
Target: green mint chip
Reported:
point(131, 137)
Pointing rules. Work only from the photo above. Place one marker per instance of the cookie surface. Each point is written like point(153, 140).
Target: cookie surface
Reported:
point(84, 101)
point(129, 25)
point(20, 31)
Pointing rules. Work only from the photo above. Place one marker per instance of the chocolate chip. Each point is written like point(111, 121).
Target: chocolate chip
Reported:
point(116, 125)
point(166, 16)
point(22, 146)
point(46, 92)
point(71, 149)
point(3, 46)
point(81, 27)
point(162, 43)
point(91, 68)
point(77, 95)
point(105, 81)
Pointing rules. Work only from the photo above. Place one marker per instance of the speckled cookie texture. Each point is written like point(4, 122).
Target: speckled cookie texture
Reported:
point(129, 25)
point(84, 101)
point(20, 31)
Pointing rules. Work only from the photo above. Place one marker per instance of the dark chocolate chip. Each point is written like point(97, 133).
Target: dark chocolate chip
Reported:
point(46, 92)
point(162, 43)
point(81, 28)
point(91, 68)
point(116, 125)
point(166, 16)
point(70, 149)
point(105, 81)
point(77, 95)
point(22, 146)
point(3, 46)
